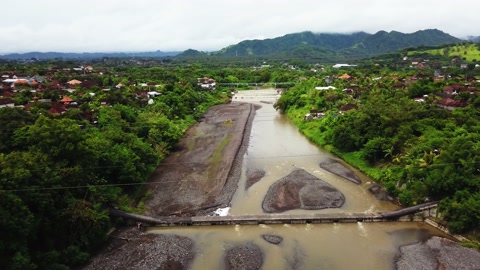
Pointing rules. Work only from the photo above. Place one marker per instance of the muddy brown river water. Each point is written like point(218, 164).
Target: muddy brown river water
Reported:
point(277, 147)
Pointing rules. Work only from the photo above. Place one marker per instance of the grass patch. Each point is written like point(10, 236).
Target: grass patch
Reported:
point(468, 52)
point(228, 123)
point(215, 160)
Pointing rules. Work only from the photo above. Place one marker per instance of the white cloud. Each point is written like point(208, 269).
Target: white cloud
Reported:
point(145, 25)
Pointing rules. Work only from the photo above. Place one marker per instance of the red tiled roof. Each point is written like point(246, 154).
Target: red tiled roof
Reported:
point(57, 108)
point(453, 103)
point(5, 101)
point(348, 107)
point(66, 99)
point(74, 82)
point(21, 81)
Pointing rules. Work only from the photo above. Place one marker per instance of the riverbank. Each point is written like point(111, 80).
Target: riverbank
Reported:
point(202, 174)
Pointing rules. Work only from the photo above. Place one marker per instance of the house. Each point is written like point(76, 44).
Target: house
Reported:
point(6, 102)
point(57, 108)
point(452, 90)
point(73, 83)
point(345, 76)
point(419, 99)
point(316, 113)
point(88, 84)
point(153, 93)
point(308, 117)
point(141, 94)
point(348, 91)
point(66, 100)
point(451, 104)
point(206, 83)
point(348, 107)
point(342, 65)
point(325, 87)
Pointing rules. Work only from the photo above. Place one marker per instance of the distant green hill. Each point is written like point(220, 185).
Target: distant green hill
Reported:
point(192, 53)
point(334, 46)
point(305, 40)
point(61, 55)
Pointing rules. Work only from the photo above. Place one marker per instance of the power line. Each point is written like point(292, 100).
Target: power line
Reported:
point(174, 163)
point(88, 186)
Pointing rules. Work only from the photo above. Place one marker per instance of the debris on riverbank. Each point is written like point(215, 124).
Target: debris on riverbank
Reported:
point(222, 211)
point(301, 190)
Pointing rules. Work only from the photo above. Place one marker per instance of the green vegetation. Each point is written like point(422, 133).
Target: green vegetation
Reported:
point(59, 173)
point(417, 150)
point(465, 51)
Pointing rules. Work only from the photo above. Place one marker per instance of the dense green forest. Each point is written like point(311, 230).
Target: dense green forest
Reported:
point(59, 173)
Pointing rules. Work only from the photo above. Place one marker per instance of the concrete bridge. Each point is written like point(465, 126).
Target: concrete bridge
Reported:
point(406, 214)
point(264, 94)
point(274, 84)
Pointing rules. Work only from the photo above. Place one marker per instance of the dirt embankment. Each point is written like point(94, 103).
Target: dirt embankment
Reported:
point(203, 173)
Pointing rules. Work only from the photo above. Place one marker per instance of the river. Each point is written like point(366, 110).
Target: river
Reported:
point(277, 147)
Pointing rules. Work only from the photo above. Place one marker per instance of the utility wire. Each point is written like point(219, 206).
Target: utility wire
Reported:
point(168, 182)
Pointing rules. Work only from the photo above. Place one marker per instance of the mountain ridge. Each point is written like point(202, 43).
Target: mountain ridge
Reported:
point(84, 55)
point(358, 43)
point(306, 44)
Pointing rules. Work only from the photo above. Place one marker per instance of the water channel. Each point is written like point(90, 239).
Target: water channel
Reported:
point(277, 147)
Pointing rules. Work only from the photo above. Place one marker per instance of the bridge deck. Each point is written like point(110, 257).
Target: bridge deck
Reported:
point(276, 218)
point(269, 219)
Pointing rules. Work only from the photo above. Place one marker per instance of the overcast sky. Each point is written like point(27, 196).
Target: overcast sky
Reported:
point(210, 25)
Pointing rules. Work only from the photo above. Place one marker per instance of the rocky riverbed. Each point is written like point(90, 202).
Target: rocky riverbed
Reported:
point(437, 253)
point(135, 250)
point(301, 190)
point(339, 169)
